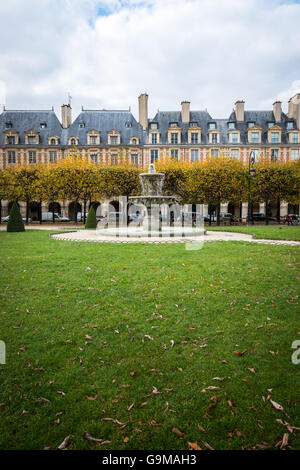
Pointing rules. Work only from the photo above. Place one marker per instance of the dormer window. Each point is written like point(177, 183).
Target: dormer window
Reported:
point(194, 138)
point(173, 124)
point(271, 124)
point(93, 140)
point(8, 125)
point(154, 138)
point(81, 125)
point(114, 137)
point(153, 125)
point(255, 137)
point(72, 141)
point(214, 138)
point(31, 139)
point(251, 124)
point(113, 140)
point(212, 126)
point(43, 125)
point(275, 137)
point(11, 140)
point(52, 142)
point(231, 125)
point(174, 138)
point(134, 140)
point(235, 138)
point(290, 125)
point(295, 137)
point(128, 124)
point(193, 124)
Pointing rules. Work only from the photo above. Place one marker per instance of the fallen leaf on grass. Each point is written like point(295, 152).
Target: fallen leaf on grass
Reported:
point(194, 446)
point(60, 392)
point(276, 405)
point(43, 400)
point(64, 443)
point(122, 425)
point(208, 446)
point(177, 432)
point(126, 439)
point(285, 440)
point(91, 398)
point(154, 392)
point(168, 409)
point(201, 428)
point(88, 337)
point(102, 442)
point(240, 353)
point(130, 407)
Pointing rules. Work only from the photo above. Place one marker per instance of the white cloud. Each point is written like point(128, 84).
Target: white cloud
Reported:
point(207, 51)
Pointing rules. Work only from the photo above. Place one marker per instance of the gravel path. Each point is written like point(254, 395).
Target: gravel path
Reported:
point(210, 236)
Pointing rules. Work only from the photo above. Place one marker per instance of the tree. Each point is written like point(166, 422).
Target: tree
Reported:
point(91, 221)
point(15, 221)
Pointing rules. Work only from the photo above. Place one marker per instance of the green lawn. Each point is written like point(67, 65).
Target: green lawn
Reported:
point(274, 232)
point(91, 329)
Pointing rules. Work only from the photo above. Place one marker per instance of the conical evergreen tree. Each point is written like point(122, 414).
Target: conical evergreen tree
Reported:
point(15, 222)
point(91, 221)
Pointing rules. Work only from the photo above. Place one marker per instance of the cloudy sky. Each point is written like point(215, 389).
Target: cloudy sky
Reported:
point(105, 53)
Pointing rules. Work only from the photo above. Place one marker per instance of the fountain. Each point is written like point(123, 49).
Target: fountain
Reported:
point(162, 215)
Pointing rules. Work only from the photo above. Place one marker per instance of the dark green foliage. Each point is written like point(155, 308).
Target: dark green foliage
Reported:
point(91, 221)
point(15, 222)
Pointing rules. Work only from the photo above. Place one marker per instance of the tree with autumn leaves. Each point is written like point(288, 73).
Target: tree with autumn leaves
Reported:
point(213, 182)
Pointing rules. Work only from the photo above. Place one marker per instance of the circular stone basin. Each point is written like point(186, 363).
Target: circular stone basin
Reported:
point(139, 232)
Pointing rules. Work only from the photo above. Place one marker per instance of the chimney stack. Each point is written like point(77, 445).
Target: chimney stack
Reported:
point(143, 110)
point(185, 111)
point(240, 111)
point(294, 109)
point(66, 117)
point(277, 111)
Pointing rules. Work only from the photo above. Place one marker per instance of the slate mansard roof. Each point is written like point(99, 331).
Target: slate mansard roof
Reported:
point(124, 122)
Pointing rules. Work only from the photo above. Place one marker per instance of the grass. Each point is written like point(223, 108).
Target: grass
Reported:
point(94, 327)
point(273, 232)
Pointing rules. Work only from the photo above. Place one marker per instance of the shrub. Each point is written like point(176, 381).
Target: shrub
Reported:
point(15, 222)
point(91, 221)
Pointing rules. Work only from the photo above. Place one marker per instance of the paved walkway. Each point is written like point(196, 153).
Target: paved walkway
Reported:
point(210, 236)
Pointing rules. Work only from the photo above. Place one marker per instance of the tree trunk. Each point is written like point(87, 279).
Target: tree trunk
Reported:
point(267, 213)
point(218, 214)
point(84, 210)
point(278, 210)
point(40, 212)
point(27, 211)
point(75, 212)
point(53, 218)
point(0, 210)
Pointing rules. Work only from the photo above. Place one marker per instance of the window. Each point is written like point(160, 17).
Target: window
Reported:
point(93, 139)
point(32, 157)
point(153, 125)
point(271, 124)
point(194, 138)
point(235, 153)
point(173, 124)
point(290, 125)
point(274, 155)
point(174, 138)
point(193, 124)
point(255, 153)
point(114, 159)
point(275, 137)
point(211, 125)
point(11, 140)
point(128, 124)
point(43, 125)
point(295, 139)
point(214, 138)
point(294, 154)
point(231, 125)
point(52, 141)
point(73, 141)
point(174, 154)
point(113, 140)
point(251, 124)
point(52, 156)
point(32, 139)
point(255, 137)
point(194, 155)
point(154, 156)
point(81, 125)
point(8, 125)
point(11, 157)
point(154, 138)
point(134, 158)
point(214, 152)
point(235, 138)
point(134, 141)
point(94, 158)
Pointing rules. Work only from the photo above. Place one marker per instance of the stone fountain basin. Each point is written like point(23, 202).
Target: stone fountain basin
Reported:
point(139, 232)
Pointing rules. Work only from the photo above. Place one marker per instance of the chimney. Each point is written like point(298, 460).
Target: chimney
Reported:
point(66, 118)
point(143, 110)
point(240, 111)
point(277, 111)
point(185, 111)
point(294, 109)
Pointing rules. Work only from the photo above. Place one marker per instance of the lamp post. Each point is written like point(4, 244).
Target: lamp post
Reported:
point(251, 173)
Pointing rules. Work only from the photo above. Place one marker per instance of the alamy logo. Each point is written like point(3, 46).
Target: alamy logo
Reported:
point(2, 352)
point(296, 354)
